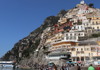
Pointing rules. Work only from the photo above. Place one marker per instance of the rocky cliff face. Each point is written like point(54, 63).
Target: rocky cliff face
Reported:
point(24, 51)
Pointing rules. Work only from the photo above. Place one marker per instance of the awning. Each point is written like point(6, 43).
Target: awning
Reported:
point(71, 62)
point(60, 53)
point(78, 61)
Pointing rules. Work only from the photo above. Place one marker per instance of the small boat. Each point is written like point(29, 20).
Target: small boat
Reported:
point(8, 66)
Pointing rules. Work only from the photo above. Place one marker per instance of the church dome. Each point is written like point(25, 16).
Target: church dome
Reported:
point(82, 2)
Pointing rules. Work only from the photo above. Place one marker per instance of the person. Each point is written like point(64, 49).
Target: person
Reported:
point(55, 67)
point(62, 67)
point(67, 67)
point(91, 67)
point(78, 67)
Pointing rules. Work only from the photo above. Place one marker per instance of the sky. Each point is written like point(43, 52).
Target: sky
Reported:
point(20, 17)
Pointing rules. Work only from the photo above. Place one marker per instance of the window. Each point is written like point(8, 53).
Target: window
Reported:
point(81, 49)
point(92, 23)
point(78, 27)
point(73, 49)
point(68, 46)
point(84, 49)
point(66, 38)
point(62, 38)
point(75, 38)
point(79, 34)
point(73, 58)
point(87, 49)
point(87, 58)
point(66, 35)
point(89, 54)
point(82, 52)
point(70, 38)
point(96, 23)
point(97, 27)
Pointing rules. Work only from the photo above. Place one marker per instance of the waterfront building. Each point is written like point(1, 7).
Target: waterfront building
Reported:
point(85, 51)
point(59, 52)
point(94, 19)
point(65, 37)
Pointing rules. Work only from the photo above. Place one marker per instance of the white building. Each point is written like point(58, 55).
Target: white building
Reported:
point(78, 28)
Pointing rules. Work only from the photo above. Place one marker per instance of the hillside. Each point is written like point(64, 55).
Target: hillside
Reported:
point(33, 48)
point(29, 44)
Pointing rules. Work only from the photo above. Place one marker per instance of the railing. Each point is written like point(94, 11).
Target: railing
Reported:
point(6, 62)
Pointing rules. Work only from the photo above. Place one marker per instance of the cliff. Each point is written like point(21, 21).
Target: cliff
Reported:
point(24, 50)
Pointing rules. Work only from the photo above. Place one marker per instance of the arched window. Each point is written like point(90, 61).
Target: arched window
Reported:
point(97, 27)
point(93, 28)
point(79, 34)
point(96, 23)
point(92, 23)
point(81, 49)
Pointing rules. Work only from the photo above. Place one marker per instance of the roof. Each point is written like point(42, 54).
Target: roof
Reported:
point(88, 43)
point(60, 53)
point(93, 39)
point(93, 14)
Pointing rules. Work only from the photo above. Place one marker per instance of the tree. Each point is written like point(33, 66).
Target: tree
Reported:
point(62, 13)
point(91, 5)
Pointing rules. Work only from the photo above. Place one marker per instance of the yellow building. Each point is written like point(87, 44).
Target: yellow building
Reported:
point(85, 51)
point(54, 38)
point(64, 45)
point(95, 23)
point(59, 52)
point(98, 42)
point(94, 19)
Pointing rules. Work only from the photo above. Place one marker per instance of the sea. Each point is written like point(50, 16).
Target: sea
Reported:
point(1, 68)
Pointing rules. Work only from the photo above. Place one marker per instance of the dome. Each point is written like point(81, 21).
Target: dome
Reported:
point(82, 2)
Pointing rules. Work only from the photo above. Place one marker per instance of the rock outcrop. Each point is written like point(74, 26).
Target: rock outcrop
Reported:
point(24, 51)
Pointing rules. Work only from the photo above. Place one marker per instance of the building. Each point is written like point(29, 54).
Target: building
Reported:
point(85, 51)
point(59, 52)
point(94, 19)
point(65, 37)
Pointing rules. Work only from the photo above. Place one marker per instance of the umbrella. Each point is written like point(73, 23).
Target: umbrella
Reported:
point(73, 62)
point(68, 62)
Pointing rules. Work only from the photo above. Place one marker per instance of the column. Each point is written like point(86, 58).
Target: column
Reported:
point(80, 58)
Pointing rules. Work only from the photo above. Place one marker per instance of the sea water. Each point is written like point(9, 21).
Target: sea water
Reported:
point(6, 68)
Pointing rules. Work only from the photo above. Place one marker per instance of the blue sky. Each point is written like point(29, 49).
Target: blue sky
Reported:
point(20, 17)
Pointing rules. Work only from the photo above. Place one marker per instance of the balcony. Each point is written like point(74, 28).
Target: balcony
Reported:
point(80, 52)
point(60, 55)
